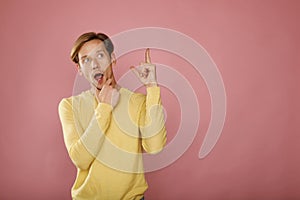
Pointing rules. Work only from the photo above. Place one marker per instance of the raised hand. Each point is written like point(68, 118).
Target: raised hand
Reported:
point(146, 72)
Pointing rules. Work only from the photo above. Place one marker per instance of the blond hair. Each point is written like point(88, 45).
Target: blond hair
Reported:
point(88, 37)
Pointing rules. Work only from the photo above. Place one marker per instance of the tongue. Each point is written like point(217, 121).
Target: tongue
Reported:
point(100, 79)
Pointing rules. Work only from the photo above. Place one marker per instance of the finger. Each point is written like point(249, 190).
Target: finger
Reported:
point(108, 82)
point(147, 56)
point(104, 80)
point(146, 70)
point(103, 89)
point(135, 71)
point(102, 93)
point(97, 92)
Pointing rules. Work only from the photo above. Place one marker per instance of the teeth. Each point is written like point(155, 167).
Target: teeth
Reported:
point(98, 76)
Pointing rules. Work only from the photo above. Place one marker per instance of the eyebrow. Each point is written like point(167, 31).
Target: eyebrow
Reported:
point(97, 51)
point(82, 57)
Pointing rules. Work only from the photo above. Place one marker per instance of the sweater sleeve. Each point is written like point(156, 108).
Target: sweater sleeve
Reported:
point(152, 122)
point(83, 148)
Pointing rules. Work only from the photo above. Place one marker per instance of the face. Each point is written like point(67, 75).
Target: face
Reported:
point(95, 63)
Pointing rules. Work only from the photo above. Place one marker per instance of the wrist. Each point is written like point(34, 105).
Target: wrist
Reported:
point(153, 84)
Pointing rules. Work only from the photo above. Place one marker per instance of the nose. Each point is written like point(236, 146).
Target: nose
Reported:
point(95, 64)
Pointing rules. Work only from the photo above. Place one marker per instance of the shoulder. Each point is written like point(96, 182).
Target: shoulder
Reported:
point(134, 97)
point(65, 103)
point(68, 102)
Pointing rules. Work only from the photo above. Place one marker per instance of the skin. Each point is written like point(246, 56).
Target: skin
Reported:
point(95, 59)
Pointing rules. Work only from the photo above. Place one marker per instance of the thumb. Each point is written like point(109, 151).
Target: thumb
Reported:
point(135, 71)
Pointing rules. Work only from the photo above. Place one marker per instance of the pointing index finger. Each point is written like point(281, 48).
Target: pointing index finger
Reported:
point(147, 56)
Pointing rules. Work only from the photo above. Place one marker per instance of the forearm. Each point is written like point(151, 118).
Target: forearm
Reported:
point(85, 149)
point(152, 128)
point(83, 145)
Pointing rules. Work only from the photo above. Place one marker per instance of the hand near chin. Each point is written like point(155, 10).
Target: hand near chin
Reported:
point(146, 72)
point(108, 94)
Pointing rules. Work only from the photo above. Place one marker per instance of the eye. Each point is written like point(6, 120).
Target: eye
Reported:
point(86, 60)
point(100, 55)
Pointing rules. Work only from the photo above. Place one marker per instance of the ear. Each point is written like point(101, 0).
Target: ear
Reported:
point(113, 59)
point(79, 69)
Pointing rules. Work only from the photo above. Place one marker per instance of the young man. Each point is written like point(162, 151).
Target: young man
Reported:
point(107, 127)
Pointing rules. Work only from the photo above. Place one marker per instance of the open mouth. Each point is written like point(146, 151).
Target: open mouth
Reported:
point(98, 77)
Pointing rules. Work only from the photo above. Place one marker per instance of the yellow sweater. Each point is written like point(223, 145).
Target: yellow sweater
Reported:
point(106, 144)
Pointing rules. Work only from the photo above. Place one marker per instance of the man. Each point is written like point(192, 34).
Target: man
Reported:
point(107, 128)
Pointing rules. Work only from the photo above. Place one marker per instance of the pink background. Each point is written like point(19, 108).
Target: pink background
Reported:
point(255, 45)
